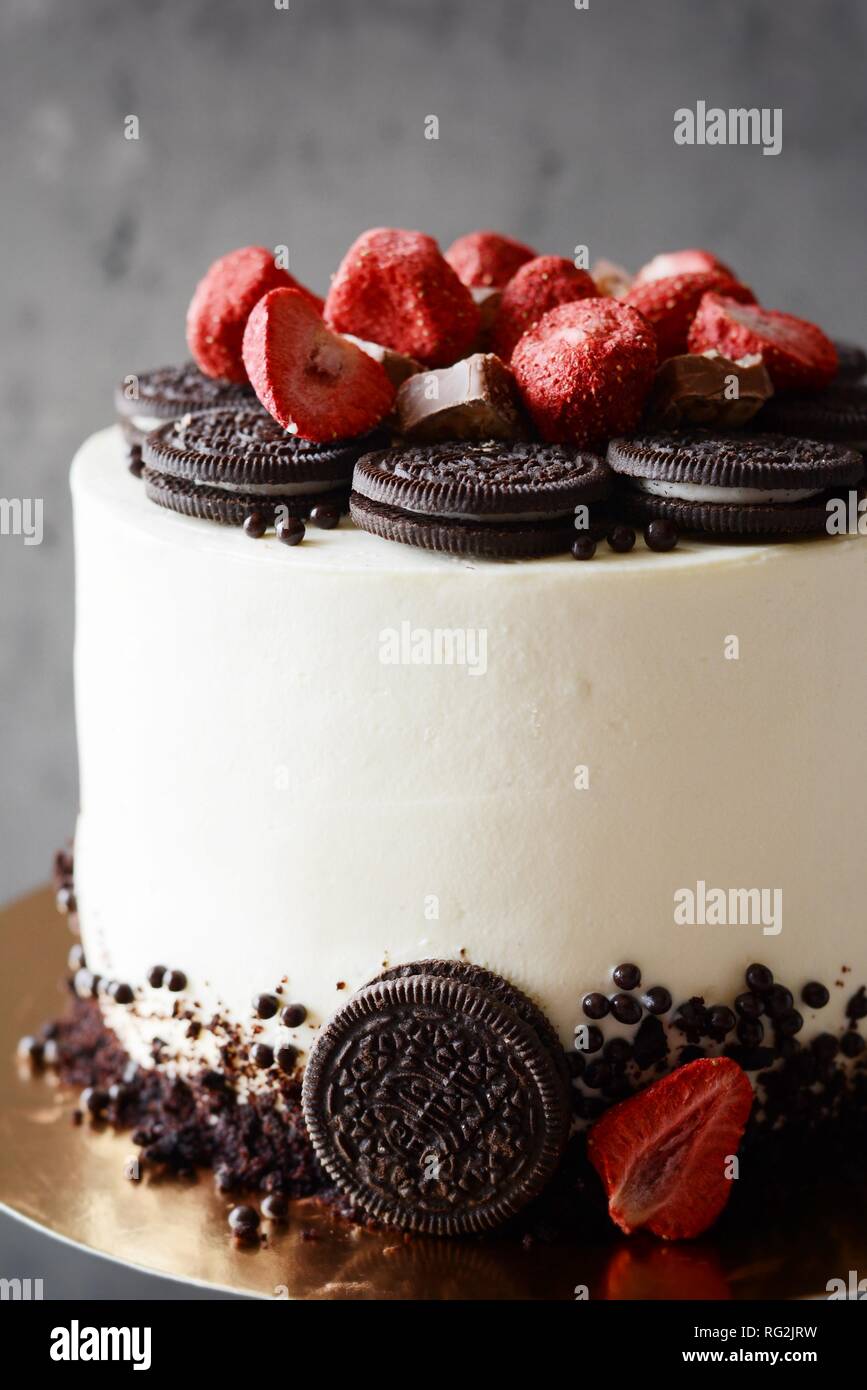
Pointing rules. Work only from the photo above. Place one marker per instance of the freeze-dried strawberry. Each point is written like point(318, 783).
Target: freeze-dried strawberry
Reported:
point(585, 371)
point(690, 262)
point(797, 354)
point(670, 305)
point(539, 285)
point(395, 288)
point(664, 1155)
point(487, 258)
point(314, 383)
point(222, 303)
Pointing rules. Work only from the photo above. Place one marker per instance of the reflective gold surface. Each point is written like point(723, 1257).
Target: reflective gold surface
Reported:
point(73, 1181)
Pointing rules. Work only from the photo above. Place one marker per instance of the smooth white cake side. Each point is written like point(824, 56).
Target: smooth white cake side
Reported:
point(262, 797)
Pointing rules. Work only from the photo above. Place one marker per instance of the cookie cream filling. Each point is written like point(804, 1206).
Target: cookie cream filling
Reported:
point(270, 489)
point(705, 492)
point(146, 423)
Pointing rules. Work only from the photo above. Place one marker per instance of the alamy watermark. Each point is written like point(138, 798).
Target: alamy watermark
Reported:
point(22, 516)
point(435, 646)
point(729, 907)
point(737, 125)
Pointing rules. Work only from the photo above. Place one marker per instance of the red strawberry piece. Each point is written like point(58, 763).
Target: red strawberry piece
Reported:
point(671, 304)
point(585, 371)
point(797, 354)
point(395, 288)
point(662, 1155)
point(314, 383)
point(487, 258)
point(540, 285)
point(691, 262)
point(221, 305)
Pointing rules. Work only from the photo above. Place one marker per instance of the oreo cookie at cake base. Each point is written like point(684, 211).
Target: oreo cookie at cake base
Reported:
point(492, 499)
point(768, 486)
point(838, 414)
point(226, 465)
point(145, 401)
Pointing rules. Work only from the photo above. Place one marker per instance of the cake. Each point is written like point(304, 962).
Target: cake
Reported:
point(596, 825)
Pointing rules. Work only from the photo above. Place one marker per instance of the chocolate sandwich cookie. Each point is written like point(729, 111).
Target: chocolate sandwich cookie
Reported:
point(838, 415)
point(770, 486)
point(434, 1105)
point(496, 500)
point(852, 362)
point(224, 465)
point(146, 400)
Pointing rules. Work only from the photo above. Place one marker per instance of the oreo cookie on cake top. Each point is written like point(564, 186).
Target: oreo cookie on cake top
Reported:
point(146, 400)
point(241, 468)
point(838, 414)
point(491, 499)
point(770, 486)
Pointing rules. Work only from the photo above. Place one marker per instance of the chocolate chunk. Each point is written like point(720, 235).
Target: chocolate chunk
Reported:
point(473, 399)
point(707, 389)
point(649, 1044)
point(398, 366)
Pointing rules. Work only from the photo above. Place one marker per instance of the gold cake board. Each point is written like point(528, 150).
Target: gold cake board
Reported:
point(73, 1182)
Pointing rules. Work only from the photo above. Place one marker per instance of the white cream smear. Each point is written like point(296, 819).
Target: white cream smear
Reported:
point(705, 492)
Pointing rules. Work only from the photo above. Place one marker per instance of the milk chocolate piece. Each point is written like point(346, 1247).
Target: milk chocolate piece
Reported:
point(707, 389)
point(488, 299)
point(397, 365)
point(473, 399)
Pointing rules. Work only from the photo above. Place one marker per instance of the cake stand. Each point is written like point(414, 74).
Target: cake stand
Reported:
point(78, 1184)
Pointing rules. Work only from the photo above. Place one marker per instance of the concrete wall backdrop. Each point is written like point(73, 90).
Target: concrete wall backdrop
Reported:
point(306, 125)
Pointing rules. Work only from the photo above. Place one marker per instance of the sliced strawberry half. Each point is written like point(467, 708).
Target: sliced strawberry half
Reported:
point(662, 1155)
point(797, 354)
point(671, 304)
point(314, 382)
point(692, 261)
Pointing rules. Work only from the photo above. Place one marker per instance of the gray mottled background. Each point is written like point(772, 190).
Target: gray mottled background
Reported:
point(305, 126)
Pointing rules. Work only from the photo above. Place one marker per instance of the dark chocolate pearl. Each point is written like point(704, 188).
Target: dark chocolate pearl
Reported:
point(93, 1099)
point(31, 1050)
point(214, 1081)
point(275, 1207)
point(120, 992)
point(576, 1063)
point(594, 1039)
point(291, 531)
point(814, 995)
point(825, 1047)
point(85, 984)
point(584, 548)
point(778, 1000)
point(721, 1018)
point(287, 1058)
point(224, 1178)
point(75, 960)
point(621, 539)
point(265, 1005)
point(262, 1055)
point(857, 1006)
point(595, 1005)
point(750, 1031)
point(788, 1023)
point(618, 1051)
point(626, 976)
point(293, 1015)
point(759, 978)
point(156, 975)
point(852, 1044)
point(243, 1221)
point(66, 899)
point(660, 534)
point(625, 1008)
point(597, 1075)
point(255, 525)
point(788, 1047)
point(135, 462)
point(175, 980)
point(118, 1093)
point(657, 1000)
point(326, 518)
point(749, 1006)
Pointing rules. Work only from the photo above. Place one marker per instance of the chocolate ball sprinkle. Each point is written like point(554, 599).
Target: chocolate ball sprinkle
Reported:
point(657, 1000)
point(326, 518)
point(31, 1050)
point(749, 1005)
point(788, 1023)
point(595, 1005)
point(721, 1018)
point(857, 1005)
point(291, 531)
point(243, 1221)
point(584, 548)
point(621, 539)
point(626, 976)
point(617, 1051)
point(825, 1047)
point(576, 1064)
point(262, 1055)
point(120, 992)
point(255, 525)
point(156, 975)
point(852, 1044)
point(751, 1031)
point(594, 1039)
point(660, 535)
point(759, 978)
point(93, 1099)
point(265, 1005)
point(778, 1000)
point(275, 1207)
point(287, 1058)
point(625, 1008)
point(815, 995)
point(293, 1015)
point(174, 980)
point(85, 983)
